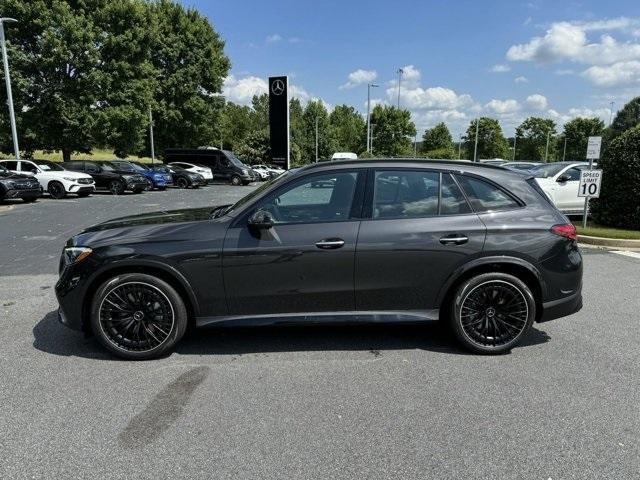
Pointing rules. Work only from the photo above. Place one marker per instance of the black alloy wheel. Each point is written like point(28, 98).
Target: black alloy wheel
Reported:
point(492, 312)
point(116, 187)
point(56, 190)
point(138, 316)
point(182, 182)
point(236, 180)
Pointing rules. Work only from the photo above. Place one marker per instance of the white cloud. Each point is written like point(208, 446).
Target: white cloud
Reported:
point(537, 101)
point(294, 40)
point(359, 77)
point(242, 90)
point(621, 73)
point(564, 71)
point(521, 79)
point(274, 38)
point(500, 68)
point(502, 107)
point(584, 112)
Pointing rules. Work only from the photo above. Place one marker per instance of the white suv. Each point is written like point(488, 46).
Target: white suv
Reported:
point(192, 167)
point(560, 181)
point(53, 178)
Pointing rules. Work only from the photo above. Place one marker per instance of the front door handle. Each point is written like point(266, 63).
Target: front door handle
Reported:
point(330, 243)
point(454, 239)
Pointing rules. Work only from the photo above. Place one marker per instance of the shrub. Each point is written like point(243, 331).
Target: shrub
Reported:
point(619, 202)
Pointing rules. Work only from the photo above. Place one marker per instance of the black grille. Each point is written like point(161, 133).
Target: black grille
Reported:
point(25, 185)
point(85, 181)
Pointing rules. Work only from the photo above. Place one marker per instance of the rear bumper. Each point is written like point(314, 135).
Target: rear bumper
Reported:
point(562, 307)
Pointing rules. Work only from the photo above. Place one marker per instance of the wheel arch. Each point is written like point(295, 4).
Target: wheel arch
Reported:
point(161, 271)
point(517, 267)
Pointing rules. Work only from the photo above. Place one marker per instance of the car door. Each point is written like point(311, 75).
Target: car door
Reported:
point(305, 262)
point(101, 177)
point(418, 228)
point(30, 168)
point(566, 191)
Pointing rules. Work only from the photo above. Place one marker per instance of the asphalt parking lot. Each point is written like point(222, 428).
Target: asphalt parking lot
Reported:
point(322, 402)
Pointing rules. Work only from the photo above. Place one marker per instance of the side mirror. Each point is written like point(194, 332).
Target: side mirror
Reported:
point(261, 220)
point(563, 178)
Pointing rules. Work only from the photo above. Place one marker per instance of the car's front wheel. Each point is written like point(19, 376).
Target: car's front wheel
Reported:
point(138, 316)
point(56, 190)
point(492, 312)
point(116, 187)
point(236, 180)
point(182, 182)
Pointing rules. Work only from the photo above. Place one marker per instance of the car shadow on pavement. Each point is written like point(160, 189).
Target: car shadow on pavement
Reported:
point(51, 337)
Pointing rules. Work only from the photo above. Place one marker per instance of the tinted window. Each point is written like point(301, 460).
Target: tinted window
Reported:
point(573, 174)
point(323, 198)
point(28, 167)
point(484, 196)
point(452, 200)
point(10, 165)
point(91, 168)
point(548, 170)
point(405, 193)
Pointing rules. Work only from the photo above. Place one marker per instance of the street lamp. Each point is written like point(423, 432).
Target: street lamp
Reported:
point(153, 150)
point(317, 139)
point(546, 149)
point(515, 139)
point(7, 79)
point(611, 112)
point(475, 148)
point(369, 87)
point(400, 72)
point(459, 146)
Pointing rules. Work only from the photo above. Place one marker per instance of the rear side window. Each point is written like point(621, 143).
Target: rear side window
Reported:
point(10, 165)
point(405, 194)
point(484, 196)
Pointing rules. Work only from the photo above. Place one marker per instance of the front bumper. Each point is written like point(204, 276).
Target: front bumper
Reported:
point(23, 192)
point(138, 186)
point(77, 188)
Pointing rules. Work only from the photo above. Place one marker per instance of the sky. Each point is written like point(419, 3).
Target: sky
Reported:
point(461, 59)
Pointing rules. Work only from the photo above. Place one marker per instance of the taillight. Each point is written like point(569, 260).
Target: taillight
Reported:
point(566, 230)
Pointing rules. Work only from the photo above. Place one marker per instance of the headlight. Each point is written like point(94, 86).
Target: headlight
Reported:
point(245, 171)
point(70, 179)
point(73, 255)
point(10, 184)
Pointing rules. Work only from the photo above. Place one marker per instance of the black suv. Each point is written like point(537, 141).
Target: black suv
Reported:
point(224, 164)
point(478, 247)
point(17, 185)
point(108, 177)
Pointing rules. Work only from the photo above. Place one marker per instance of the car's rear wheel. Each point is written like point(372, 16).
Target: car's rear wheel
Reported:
point(236, 180)
point(56, 190)
point(492, 312)
point(116, 187)
point(138, 316)
point(182, 182)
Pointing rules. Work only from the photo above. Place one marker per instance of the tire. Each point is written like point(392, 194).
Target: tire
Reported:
point(116, 187)
point(27, 199)
point(491, 313)
point(56, 190)
point(236, 181)
point(182, 182)
point(143, 337)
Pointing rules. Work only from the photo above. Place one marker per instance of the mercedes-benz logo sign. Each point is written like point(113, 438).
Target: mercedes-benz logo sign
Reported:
point(277, 87)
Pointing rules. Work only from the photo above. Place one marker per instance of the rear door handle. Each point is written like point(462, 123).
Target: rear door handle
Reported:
point(454, 239)
point(330, 243)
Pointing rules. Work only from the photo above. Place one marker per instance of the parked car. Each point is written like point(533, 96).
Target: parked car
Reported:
point(265, 172)
point(476, 246)
point(560, 182)
point(521, 166)
point(193, 168)
point(344, 156)
point(275, 169)
point(17, 185)
point(224, 164)
point(157, 179)
point(182, 178)
point(108, 177)
point(494, 161)
point(53, 178)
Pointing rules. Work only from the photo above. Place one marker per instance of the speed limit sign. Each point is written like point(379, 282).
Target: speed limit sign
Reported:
point(590, 183)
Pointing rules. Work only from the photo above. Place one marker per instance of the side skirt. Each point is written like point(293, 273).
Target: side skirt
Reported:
point(409, 316)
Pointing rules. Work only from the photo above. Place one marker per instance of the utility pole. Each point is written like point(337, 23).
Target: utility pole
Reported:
point(415, 146)
point(611, 112)
point(515, 139)
point(316, 139)
point(564, 150)
point(7, 78)
point(400, 72)
point(369, 87)
point(459, 146)
point(153, 149)
point(475, 148)
point(546, 149)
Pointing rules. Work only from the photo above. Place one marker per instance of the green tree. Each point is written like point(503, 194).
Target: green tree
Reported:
point(315, 110)
point(190, 66)
point(348, 129)
point(393, 131)
point(577, 133)
point(532, 139)
point(628, 117)
point(491, 141)
point(619, 202)
point(255, 147)
point(236, 123)
point(437, 138)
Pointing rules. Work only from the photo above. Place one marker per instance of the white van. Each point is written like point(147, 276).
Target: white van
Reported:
point(344, 156)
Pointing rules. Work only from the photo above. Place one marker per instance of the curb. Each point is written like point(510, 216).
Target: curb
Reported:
point(609, 242)
point(5, 208)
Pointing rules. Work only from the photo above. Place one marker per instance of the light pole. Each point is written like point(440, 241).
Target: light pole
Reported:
point(515, 140)
point(153, 149)
point(459, 146)
point(400, 72)
point(5, 61)
point(475, 148)
point(564, 150)
point(415, 146)
point(369, 87)
point(611, 112)
point(317, 139)
point(546, 149)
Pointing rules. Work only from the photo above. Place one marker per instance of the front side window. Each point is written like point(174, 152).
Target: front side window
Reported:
point(322, 198)
point(573, 174)
point(405, 193)
point(484, 196)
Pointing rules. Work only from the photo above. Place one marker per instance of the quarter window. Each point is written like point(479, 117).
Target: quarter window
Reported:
point(452, 200)
point(485, 197)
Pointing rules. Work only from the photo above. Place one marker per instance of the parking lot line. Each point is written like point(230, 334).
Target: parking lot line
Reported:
point(627, 253)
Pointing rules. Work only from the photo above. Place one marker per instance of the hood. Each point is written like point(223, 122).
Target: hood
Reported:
point(71, 174)
point(154, 218)
point(14, 176)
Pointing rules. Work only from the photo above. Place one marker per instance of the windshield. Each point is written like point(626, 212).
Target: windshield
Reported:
point(140, 168)
point(233, 159)
point(161, 169)
point(546, 171)
point(258, 191)
point(46, 166)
